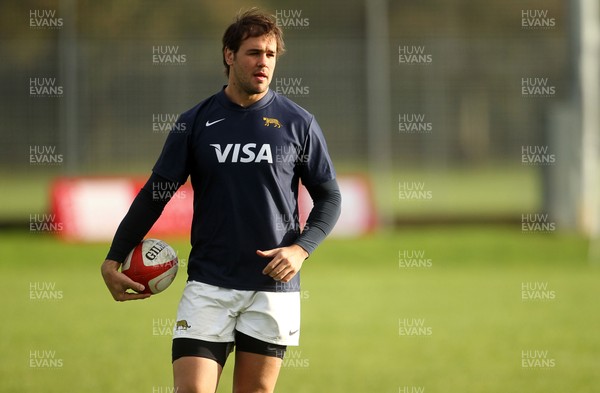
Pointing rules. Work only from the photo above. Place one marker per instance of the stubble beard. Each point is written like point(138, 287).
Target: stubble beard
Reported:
point(245, 84)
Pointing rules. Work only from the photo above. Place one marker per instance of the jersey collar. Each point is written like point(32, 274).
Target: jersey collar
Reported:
point(263, 102)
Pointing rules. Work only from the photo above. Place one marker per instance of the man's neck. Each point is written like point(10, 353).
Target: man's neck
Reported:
point(242, 99)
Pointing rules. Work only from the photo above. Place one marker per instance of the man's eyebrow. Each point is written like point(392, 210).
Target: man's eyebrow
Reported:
point(268, 50)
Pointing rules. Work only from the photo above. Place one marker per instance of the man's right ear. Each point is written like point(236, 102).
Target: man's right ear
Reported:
point(229, 56)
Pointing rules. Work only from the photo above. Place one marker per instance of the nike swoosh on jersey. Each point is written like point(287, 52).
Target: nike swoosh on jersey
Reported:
point(292, 332)
point(210, 123)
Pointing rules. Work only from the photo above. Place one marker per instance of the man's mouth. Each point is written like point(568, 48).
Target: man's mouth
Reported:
point(261, 76)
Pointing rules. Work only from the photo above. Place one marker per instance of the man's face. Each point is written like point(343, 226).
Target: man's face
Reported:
point(251, 68)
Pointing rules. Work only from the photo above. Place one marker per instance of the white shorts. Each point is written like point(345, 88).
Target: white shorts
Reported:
point(211, 313)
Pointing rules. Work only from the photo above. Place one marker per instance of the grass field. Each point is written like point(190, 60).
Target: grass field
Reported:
point(459, 322)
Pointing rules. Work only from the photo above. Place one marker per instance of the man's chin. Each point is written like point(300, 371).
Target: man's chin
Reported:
point(260, 89)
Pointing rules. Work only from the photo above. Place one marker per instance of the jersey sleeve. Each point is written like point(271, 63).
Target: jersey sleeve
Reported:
point(315, 166)
point(144, 211)
point(173, 162)
point(327, 201)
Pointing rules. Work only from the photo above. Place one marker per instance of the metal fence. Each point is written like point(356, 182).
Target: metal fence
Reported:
point(455, 97)
point(97, 86)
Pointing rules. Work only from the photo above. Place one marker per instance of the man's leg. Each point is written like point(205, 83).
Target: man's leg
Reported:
point(255, 373)
point(257, 364)
point(203, 321)
point(196, 375)
point(197, 364)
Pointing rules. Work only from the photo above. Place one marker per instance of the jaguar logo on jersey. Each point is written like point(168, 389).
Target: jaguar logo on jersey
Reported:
point(250, 152)
point(274, 122)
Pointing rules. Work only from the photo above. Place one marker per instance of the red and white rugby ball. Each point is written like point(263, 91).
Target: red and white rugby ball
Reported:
point(152, 263)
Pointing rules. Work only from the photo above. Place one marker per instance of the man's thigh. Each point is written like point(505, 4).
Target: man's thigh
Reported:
point(254, 373)
point(196, 375)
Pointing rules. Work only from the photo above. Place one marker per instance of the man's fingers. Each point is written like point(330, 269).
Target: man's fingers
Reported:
point(285, 262)
point(267, 253)
point(280, 270)
point(280, 275)
point(130, 284)
point(124, 296)
point(269, 268)
point(119, 284)
point(287, 277)
point(120, 292)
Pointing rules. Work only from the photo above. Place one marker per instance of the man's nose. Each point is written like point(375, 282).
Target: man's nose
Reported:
point(262, 60)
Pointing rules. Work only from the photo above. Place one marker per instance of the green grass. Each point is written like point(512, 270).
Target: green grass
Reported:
point(355, 295)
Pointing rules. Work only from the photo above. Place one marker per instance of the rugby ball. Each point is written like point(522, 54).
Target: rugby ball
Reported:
point(152, 263)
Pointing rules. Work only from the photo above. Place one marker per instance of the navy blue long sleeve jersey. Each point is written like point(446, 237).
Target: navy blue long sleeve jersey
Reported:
point(245, 165)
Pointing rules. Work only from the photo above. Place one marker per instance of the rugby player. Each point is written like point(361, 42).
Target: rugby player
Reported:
point(245, 150)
